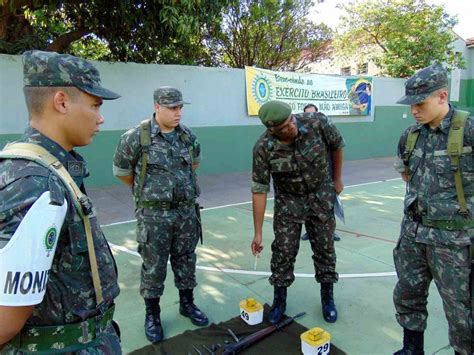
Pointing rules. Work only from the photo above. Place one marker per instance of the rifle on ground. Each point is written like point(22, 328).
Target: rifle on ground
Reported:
point(244, 343)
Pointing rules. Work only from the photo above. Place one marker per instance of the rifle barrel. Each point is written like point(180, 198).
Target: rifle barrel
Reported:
point(257, 336)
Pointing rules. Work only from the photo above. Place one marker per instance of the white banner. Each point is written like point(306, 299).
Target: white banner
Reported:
point(334, 96)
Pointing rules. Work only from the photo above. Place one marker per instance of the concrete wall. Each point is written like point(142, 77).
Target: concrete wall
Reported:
point(217, 95)
point(217, 113)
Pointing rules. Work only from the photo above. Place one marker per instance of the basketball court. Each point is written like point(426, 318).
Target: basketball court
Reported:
point(227, 272)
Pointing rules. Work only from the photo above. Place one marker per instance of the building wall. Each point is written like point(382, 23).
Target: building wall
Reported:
point(217, 114)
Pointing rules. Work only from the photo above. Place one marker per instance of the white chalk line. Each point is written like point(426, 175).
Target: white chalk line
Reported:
point(258, 273)
point(249, 202)
point(262, 273)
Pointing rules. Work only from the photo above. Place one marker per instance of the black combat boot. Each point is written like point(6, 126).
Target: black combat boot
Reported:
point(188, 309)
point(327, 302)
point(278, 306)
point(153, 329)
point(412, 343)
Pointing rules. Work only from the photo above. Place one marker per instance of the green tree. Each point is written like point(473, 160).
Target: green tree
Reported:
point(273, 34)
point(146, 31)
point(400, 36)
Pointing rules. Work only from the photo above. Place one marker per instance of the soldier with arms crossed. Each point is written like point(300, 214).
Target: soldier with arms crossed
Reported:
point(435, 159)
point(157, 159)
point(58, 278)
point(294, 152)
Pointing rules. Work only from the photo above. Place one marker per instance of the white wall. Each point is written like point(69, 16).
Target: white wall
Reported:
point(217, 95)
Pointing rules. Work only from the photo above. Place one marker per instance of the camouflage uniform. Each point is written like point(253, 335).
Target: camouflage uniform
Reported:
point(424, 253)
point(304, 193)
point(167, 223)
point(70, 295)
point(70, 298)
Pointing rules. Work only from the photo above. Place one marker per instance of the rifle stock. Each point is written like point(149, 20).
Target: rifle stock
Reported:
point(232, 349)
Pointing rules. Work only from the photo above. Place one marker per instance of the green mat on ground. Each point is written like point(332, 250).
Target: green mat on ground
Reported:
point(282, 342)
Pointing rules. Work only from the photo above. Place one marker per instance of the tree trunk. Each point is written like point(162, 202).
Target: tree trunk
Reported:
point(64, 40)
point(12, 26)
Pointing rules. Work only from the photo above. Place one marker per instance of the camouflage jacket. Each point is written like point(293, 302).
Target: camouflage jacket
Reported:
point(301, 173)
point(70, 295)
point(169, 176)
point(431, 190)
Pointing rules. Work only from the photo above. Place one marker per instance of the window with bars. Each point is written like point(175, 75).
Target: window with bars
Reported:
point(346, 71)
point(363, 68)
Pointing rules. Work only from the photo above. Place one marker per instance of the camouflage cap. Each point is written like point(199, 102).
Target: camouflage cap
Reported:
point(423, 83)
point(274, 113)
point(168, 96)
point(53, 69)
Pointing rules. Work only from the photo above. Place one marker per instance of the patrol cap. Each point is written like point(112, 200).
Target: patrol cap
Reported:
point(43, 69)
point(168, 96)
point(423, 83)
point(274, 113)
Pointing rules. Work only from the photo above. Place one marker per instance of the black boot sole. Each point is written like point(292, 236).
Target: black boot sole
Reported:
point(154, 339)
point(193, 320)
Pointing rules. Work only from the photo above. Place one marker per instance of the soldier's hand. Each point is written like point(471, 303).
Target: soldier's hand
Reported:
point(256, 245)
point(405, 176)
point(338, 186)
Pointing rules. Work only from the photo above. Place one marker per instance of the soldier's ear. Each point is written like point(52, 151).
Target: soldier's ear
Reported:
point(443, 96)
point(61, 101)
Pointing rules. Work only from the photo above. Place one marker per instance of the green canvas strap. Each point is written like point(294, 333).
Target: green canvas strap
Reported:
point(145, 142)
point(64, 338)
point(38, 154)
point(410, 146)
point(455, 149)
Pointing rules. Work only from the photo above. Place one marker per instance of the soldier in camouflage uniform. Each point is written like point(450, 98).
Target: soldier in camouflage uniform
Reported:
point(63, 94)
point(313, 108)
point(435, 232)
point(165, 188)
point(294, 152)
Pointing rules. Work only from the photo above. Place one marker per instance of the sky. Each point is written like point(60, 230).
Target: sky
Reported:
point(464, 9)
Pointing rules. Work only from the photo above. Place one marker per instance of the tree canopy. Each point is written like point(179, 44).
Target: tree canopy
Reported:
point(273, 34)
point(400, 36)
point(145, 31)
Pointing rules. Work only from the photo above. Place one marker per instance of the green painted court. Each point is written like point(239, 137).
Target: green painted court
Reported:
point(226, 275)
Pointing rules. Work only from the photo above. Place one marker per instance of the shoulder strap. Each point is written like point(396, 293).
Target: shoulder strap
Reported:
point(145, 142)
point(41, 156)
point(411, 142)
point(455, 149)
point(145, 133)
point(409, 147)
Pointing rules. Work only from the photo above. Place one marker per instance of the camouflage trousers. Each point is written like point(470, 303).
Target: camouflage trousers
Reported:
point(286, 245)
point(108, 342)
point(417, 264)
point(164, 235)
